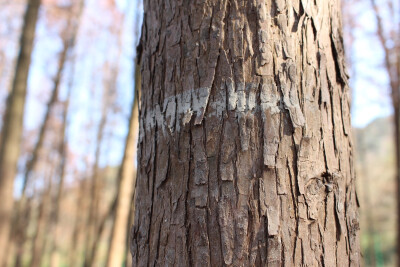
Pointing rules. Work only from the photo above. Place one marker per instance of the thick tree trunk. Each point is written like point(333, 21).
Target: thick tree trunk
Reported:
point(245, 151)
point(127, 180)
point(13, 124)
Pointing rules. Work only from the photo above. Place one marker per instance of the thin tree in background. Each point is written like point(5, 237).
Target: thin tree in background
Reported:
point(55, 216)
point(110, 213)
point(245, 154)
point(95, 183)
point(42, 222)
point(13, 125)
point(127, 181)
point(95, 188)
point(52, 230)
point(127, 253)
point(390, 34)
point(74, 249)
point(70, 44)
point(2, 71)
point(68, 37)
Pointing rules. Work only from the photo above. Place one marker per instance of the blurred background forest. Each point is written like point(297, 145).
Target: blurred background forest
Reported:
point(79, 123)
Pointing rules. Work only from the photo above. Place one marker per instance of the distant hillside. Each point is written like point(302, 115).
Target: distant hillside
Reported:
point(375, 164)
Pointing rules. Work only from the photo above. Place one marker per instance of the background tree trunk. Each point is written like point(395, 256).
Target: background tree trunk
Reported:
point(42, 223)
point(55, 216)
point(127, 176)
point(74, 250)
point(69, 44)
point(93, 220)
point(13, 125)
point(245, 151)
point(69, 35)
point(95, 190)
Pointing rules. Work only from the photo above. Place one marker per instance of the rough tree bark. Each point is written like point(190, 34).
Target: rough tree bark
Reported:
point(13, 124)
point(245, 151)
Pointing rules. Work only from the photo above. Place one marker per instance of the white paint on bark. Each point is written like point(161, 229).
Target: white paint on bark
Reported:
point(242, 98)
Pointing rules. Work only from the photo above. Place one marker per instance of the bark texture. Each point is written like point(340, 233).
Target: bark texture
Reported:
point(13, 125)
point(245, 151)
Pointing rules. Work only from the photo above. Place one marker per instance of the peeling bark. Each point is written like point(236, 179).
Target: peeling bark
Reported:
point(245, 152)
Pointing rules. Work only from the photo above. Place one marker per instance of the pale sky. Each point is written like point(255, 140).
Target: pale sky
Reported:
point(369, 80)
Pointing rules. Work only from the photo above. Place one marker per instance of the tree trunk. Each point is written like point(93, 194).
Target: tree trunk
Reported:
point(69, 44)
point(127, 180)
point(397, 143)
point(127, 256)
point(39, 238)
point(55, 216)
point(50, 104)
point(93, 218)
point(13, 125)
point(16, 252)
point(68, 36)
point(245, 151)
point(101, 226)
point(95, 188)
point(74, 249)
